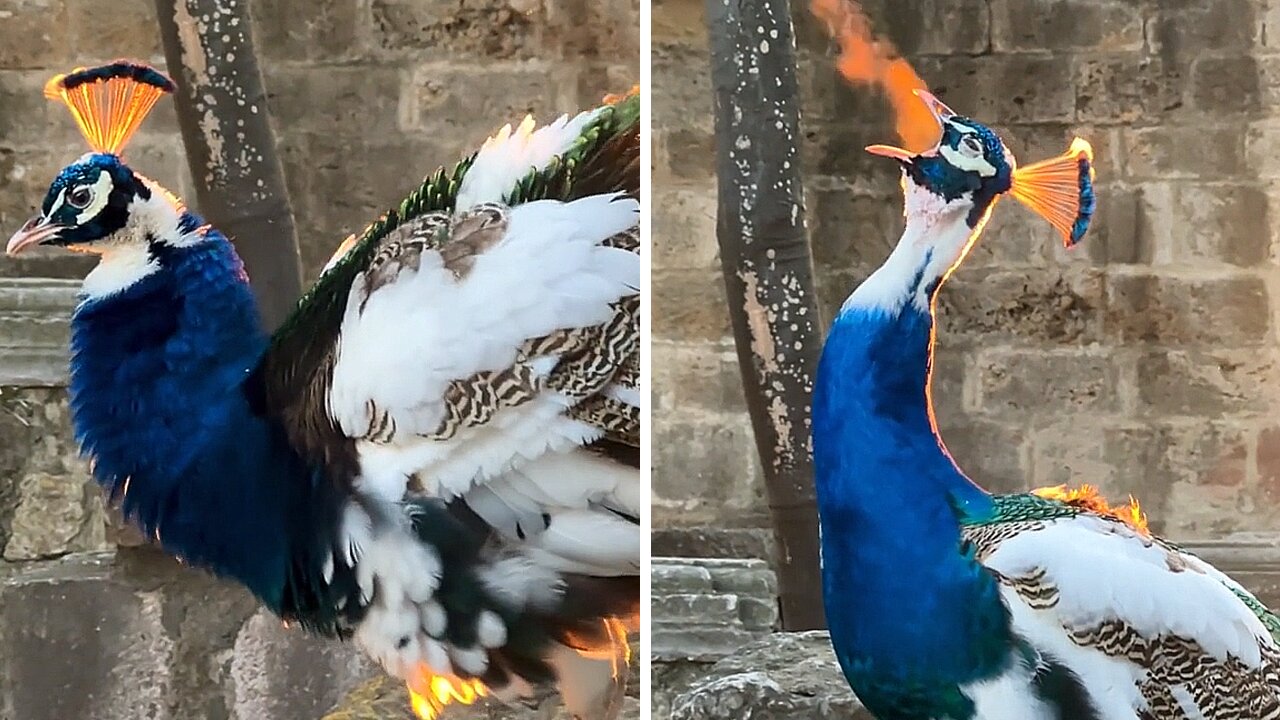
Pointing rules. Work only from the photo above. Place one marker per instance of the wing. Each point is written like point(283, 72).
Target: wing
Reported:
point(593, 153)
point(466, 372)
point(478, 352)
point(1147, 628)
point(485, 327)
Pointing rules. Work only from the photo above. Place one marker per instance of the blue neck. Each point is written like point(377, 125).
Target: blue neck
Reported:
point(158, 404)
point(906, 605)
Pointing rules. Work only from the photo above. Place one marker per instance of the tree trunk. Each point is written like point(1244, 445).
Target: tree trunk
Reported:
point(222, 111)
point(768, 272)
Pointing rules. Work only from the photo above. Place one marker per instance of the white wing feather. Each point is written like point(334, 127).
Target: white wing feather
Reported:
point(402, 344)
point(1105, 571)
point(508, 156)
point(427, 329)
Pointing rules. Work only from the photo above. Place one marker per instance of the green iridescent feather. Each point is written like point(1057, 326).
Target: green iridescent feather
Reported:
point(439, 191)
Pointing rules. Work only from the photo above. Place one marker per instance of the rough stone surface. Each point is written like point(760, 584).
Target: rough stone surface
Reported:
point(785, 675)
point(705, 609)
point(138, 636)
point(385, 699)
point(1142, 362)
point(779, 675)
point(366, 98)
point(48, 505)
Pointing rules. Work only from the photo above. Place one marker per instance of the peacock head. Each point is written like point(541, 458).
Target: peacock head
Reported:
point(97, 202)
point(970, 168)
point(90, 201)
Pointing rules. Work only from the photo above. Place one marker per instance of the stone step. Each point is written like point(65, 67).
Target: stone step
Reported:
point(34, 330)
point(37, 295)
point(704, 609)
point(784, 675)
point(46, 263)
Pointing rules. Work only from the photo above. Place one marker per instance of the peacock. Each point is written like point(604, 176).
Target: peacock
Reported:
point(436, 455)
point(945, 602)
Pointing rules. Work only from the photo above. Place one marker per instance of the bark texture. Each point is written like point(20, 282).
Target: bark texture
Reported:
point(231, 151)
point(768, 272)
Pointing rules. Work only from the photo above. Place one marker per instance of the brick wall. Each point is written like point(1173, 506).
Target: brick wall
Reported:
point(367, 96)
point(1145, 361)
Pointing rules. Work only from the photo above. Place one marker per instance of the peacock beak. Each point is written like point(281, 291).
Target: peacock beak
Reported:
point(941, 113)
point(890, 151)
point(36, 230)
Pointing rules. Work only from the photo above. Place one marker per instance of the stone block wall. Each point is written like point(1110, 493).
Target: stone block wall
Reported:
point(366, 97)
point(1145, 361)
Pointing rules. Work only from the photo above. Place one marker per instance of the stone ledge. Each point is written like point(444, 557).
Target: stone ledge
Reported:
point(714, 542)
point(34, 316)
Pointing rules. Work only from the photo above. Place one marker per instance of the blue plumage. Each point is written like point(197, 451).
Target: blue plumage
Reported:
point(915, 618)
point(156, 387)
point(137, 72)
point(911, 619)
point(1088, 202)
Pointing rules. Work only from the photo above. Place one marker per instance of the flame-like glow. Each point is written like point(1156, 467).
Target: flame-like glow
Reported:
point(615, 98)
point(933, 331)
point(522, 131)
point(108, 111)
point(1051, 188)
point(1088, 498)
point(343, 248)
point(430, 694)
point(615, 648)
point(867, 59)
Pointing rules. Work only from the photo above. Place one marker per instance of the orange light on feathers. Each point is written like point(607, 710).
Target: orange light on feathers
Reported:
point(1087, 497)
point(109, 102)
point(1052, 189)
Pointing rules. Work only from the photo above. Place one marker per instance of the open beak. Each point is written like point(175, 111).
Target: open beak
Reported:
point(940, 113)
point(36, 231)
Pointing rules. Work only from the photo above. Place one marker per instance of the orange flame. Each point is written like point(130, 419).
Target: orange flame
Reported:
point(429, 694)
point(870, 60)
point(1087, 497)
point(343, 248)
point(615, 98)
point(615, 647)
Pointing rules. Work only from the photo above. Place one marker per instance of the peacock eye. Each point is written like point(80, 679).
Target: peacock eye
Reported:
point(80, 197)
point(972, 145)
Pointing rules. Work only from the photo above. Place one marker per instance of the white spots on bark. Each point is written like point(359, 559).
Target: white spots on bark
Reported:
point(217, 82)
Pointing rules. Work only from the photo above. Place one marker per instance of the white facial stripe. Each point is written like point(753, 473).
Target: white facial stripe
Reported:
point(57, 203)
point(101, 194)
point(977, 164)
